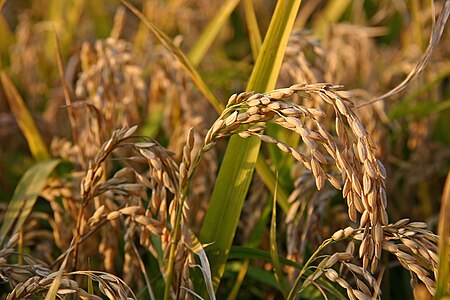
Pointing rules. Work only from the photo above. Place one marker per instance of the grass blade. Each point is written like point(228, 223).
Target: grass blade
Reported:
point(24, 119)
point(53, 290)
point(6, 34)
point(205, 40)
point(194, 244)
point(273, 247)
point(331, 14)
point(267, 67)
point(268, 177)
point(238, 164)
point(252, 27)
point(25, 196)
point(240, 252)
point(225, 207)
point(180, 56)
point(443, 279)
point(239, 279)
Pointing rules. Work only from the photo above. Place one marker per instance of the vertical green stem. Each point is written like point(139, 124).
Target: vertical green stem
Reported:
point(240, 158)
point(294, 288)
point(177, 227)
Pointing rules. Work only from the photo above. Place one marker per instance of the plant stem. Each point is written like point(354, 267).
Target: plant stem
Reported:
point(294, 288)
point(177, 226)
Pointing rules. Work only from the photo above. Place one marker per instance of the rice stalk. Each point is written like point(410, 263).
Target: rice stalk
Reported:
point(207, 37)
point(131, 209)
point(443, 284)
point(24, 119)
point(25, 196)
point(234, 176)
point(273, 247)
point(253, 29)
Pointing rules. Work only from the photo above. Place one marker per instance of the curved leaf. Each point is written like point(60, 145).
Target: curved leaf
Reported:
point(25, 196)
point(24, 119)
point(240, 158)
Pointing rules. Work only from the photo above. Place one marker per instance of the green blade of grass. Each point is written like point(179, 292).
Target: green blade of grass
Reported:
point(225, 207)
point(331, 14)
point(240, 158)
point(195, 246)
point(253, 241)
point(211, 31)
point(53, 290)
point(252, 27)
point(262, 168)
point(239, 280)
point(273, 247)
point(443, 282)
point(242, 252)
point(268, 177)
point(25, 196)
point(24, 119)
point(7, 37)
point(180, 56)
point(267, 67)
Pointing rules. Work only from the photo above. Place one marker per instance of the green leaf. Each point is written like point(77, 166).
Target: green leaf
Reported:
point(53, 290)
point(211, 31)
point(195, 246)
point(239, 162)
point(265, 278)
point(252, 27)
point(2, 3)
point(180, 56)
point(331, 14)
point(225, 207)
point(443, 284)
point(239, 280)
point(273, 247)
point(268, 177)
point(244, 252)
point(25, 196)
point(267, 67)
point(241, 252)
point(24, 119)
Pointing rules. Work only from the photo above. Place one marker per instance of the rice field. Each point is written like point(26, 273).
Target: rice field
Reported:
point(224, 149)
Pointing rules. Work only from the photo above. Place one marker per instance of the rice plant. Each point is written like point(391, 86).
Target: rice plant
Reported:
point(224, 149)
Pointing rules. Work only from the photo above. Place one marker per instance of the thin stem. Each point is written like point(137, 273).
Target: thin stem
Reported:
point(77, 237)
point(144, 272)
point(177, 226)
point(305, 267)
point(80, 241)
